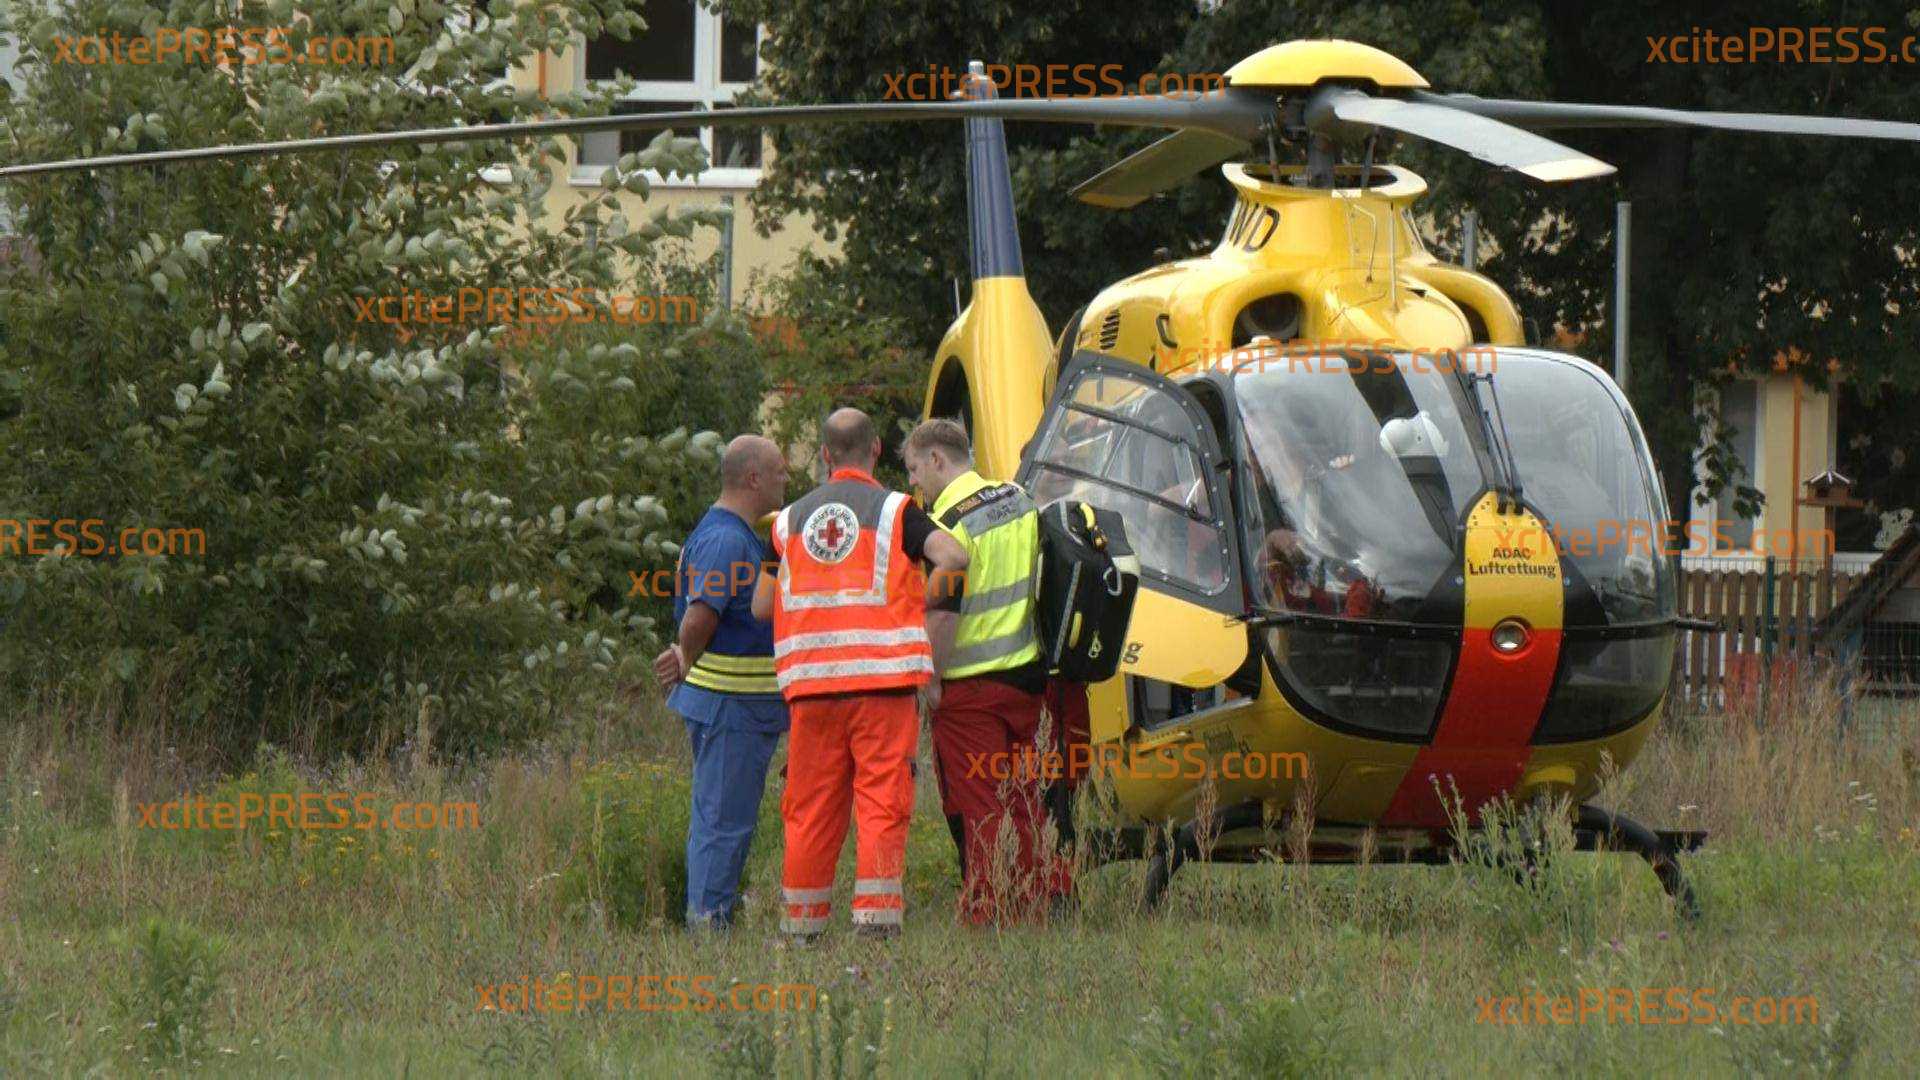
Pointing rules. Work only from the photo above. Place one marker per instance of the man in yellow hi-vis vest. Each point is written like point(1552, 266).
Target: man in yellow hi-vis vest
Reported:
point(986, 649)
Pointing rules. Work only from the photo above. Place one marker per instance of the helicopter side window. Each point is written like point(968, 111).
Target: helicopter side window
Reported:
point(1123, 445)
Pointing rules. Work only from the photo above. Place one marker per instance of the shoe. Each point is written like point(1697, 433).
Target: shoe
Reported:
point(876, 931)
point(796, 942)
point(709, 925)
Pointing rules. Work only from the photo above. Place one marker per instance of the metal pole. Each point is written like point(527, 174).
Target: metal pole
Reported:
point(1622, 281)
point(1766, 639)
point(726, 254)
point(1470, 239)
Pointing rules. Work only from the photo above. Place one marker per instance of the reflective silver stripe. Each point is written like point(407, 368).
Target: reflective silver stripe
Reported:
point(884, 916)
point(991, 649)
point(877, 887)
point(808, 896)
point(876, 593)
point(998, 512)
point(975, 603)
point(837, 639)
point(830, 669)
point(791, 925)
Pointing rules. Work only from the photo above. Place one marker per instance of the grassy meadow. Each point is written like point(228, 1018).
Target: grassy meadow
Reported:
point(130, 950)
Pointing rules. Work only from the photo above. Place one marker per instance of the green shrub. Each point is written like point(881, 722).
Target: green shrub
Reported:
point(175, 973)
point(316, 849)
point(379, 520)
point(631, 831)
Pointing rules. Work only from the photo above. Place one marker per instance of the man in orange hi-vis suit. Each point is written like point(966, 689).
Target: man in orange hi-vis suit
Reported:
point(851, 656)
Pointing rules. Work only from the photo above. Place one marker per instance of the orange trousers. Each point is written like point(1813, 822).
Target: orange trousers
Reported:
point(848, 755)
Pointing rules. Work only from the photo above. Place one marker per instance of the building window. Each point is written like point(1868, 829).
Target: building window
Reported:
point(1741, 410)
point(687, 59)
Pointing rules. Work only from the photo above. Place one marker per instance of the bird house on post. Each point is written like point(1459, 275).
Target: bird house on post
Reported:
point(1829, 491)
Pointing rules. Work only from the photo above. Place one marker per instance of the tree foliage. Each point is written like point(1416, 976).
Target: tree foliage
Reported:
point(399, 522)
point(1744, 246)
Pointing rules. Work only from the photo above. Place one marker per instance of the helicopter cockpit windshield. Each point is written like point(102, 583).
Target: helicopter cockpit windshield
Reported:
point(1359, 473)
point(1361, 469)
point(1583, 467)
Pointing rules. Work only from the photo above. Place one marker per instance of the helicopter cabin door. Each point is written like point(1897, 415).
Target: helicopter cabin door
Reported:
point(1124, 439)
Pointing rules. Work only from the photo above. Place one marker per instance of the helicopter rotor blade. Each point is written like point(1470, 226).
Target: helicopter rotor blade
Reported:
point(1335, 109)
point(1227, 112)
point(1166, 163)
point(1551, 115)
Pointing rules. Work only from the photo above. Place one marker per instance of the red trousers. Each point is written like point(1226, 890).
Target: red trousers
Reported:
point(991, 773)
point(1067, 704)
point(848, 755)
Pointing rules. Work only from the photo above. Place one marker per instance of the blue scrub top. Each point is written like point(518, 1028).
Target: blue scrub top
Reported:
point(719, 565)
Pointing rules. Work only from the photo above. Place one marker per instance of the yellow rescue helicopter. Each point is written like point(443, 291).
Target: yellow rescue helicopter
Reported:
point(1342, 470)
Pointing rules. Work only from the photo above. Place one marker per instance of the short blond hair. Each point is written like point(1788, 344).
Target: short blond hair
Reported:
point(941, 434)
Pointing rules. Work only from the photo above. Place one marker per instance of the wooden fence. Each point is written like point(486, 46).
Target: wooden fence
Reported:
point(1707, 664)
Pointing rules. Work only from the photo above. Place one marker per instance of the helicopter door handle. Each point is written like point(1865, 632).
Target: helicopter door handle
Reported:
point(1160, 324)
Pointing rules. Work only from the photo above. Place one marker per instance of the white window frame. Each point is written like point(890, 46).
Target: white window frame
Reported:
point(1720, 507)
point(705, 90)
point(9, 58)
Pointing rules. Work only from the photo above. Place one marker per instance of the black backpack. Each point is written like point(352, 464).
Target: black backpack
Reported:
point(1088, 579)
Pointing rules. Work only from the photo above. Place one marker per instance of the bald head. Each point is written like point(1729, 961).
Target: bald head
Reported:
point(743, 456)
point(848, 440)
point(753, 474)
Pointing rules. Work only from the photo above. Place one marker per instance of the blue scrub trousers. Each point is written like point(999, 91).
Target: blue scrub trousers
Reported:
point(730, 759)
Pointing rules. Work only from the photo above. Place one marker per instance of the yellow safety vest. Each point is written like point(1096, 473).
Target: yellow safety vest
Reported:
point(1000, 529)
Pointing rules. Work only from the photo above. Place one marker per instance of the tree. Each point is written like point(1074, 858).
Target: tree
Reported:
point(1744, 244)
point(400, 521)
point(898, 191)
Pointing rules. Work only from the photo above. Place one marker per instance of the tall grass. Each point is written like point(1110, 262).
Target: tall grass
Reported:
point(351, 951)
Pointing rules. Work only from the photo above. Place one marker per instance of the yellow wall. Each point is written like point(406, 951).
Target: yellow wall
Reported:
point(1779, 473)
point(768, 255)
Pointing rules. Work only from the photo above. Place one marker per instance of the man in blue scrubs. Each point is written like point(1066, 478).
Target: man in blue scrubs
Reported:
point(720, 671)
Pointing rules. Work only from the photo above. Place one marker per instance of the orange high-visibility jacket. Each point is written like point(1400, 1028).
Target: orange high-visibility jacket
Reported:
point(850, 615)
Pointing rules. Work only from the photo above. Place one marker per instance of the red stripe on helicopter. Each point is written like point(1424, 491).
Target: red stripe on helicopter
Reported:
point(1485, 732)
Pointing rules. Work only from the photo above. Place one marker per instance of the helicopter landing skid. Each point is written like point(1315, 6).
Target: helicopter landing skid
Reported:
point(1603, 830)
point(1594, 829)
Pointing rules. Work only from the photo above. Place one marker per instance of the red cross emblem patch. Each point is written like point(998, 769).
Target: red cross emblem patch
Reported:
point(830, 532)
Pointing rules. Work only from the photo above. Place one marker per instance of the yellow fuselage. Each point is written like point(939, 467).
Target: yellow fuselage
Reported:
point(1355, 260)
